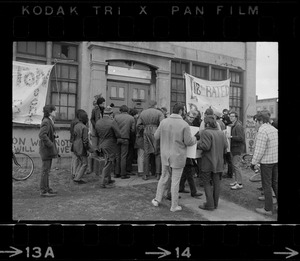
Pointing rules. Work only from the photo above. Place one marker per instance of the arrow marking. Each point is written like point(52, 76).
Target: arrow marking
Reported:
point(290, 254)
point(14, 252)
point(163, 254)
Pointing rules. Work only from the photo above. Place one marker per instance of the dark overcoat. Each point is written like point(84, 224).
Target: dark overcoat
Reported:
point(48, 149)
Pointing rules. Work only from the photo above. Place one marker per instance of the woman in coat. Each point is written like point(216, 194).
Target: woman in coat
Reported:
point(81, 145)
point(213, 145)
point(47, 148)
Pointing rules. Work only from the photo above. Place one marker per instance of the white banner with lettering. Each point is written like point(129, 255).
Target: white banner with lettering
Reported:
point(202, 94)
point(30, 85)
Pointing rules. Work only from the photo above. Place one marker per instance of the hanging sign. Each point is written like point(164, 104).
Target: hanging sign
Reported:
point(30, 85)
point(202, 94)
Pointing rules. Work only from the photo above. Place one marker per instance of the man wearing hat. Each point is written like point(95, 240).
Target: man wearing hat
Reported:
point(107, 131)
point(149, 121)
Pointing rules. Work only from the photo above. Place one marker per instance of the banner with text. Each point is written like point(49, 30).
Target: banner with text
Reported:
point(30, 85)
point(202, 94)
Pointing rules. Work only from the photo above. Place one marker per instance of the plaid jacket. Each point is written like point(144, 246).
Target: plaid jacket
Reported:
point(266, 145)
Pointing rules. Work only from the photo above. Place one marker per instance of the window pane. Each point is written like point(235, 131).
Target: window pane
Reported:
point(173, 97)
point(21, 47)
point(41, 48)
point(64, 87)
point(180, 97)
point(73, 72)
point(121, 92)
point(64, 99)
point(173, 68)
point(178, 68)
point(174, 85)
point(113, 92)
point(135, 94)
point(72, 87)
point(31, 47)
point(180, 85)
point(73, 53)
point(71, 113)
point(142, 94)
point(56, 51)
point(64, 71)
point(54, 99)
point(72, 99)
point(63, 113)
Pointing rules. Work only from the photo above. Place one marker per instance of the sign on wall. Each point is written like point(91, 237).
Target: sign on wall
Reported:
point(30, 85)
point(27, 140)
point(202, 94)
point(250, 132)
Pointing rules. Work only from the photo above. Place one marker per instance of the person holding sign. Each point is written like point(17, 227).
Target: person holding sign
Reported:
point(213, 145)
point(174, 135)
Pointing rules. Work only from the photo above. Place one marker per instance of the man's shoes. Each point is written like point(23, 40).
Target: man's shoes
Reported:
point(80, 181)
point(117, 176)
point(131, 173)
point(233, 183)
point(260, 188)
point(125, 177)
point(170, 198)
point(262, 198)
point(263, 211)
point(51, 191)
point(157, 176)
point(140, 174)
point(203, 206)
point(184, 191)
point(154, 202)
point(47, 194)
point(107, 186)
point(237, 186)
point(178, 208)
point(145, 177)
point(111, 181)
point(197, 195)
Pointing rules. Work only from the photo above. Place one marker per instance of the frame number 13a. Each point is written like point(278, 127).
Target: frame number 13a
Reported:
point(185, 253)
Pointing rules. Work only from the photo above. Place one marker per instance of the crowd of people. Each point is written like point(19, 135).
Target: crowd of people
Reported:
point(158, 143)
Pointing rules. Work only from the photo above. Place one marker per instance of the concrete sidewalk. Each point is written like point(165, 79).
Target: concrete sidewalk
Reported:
point(227, 211)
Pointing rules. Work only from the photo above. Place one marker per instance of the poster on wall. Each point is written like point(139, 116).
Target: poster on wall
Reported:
point(30, 85)
point(202, 94)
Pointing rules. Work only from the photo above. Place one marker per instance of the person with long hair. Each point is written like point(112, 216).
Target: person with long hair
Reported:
point(47, 148)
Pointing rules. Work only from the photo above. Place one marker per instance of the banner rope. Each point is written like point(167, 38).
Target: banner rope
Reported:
point(55, 62)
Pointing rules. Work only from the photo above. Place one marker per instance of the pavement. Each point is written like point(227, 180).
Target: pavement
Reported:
point(226, 211)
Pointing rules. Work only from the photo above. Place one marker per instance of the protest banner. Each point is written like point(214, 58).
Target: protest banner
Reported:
point(30, 85)
point(202, 94)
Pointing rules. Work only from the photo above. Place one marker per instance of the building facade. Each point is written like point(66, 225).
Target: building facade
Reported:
point(268, 104)
point(133, 73)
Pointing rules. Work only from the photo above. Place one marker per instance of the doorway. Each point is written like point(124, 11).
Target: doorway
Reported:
point(133, 95)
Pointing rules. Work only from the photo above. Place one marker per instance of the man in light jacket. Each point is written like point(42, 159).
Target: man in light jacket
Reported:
point(175, 135)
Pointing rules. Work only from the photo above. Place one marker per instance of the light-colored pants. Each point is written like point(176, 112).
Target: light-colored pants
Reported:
point(82, 166)
point(175, 175)
point(74, 165)
point(140, 160)
point(236, 160)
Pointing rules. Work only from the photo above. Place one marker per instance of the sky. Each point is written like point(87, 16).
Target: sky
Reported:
point(267, 70)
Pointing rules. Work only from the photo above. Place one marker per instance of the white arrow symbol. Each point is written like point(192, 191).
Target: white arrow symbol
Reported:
point(163, 254)
point(290, 254)
point(14, 252)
